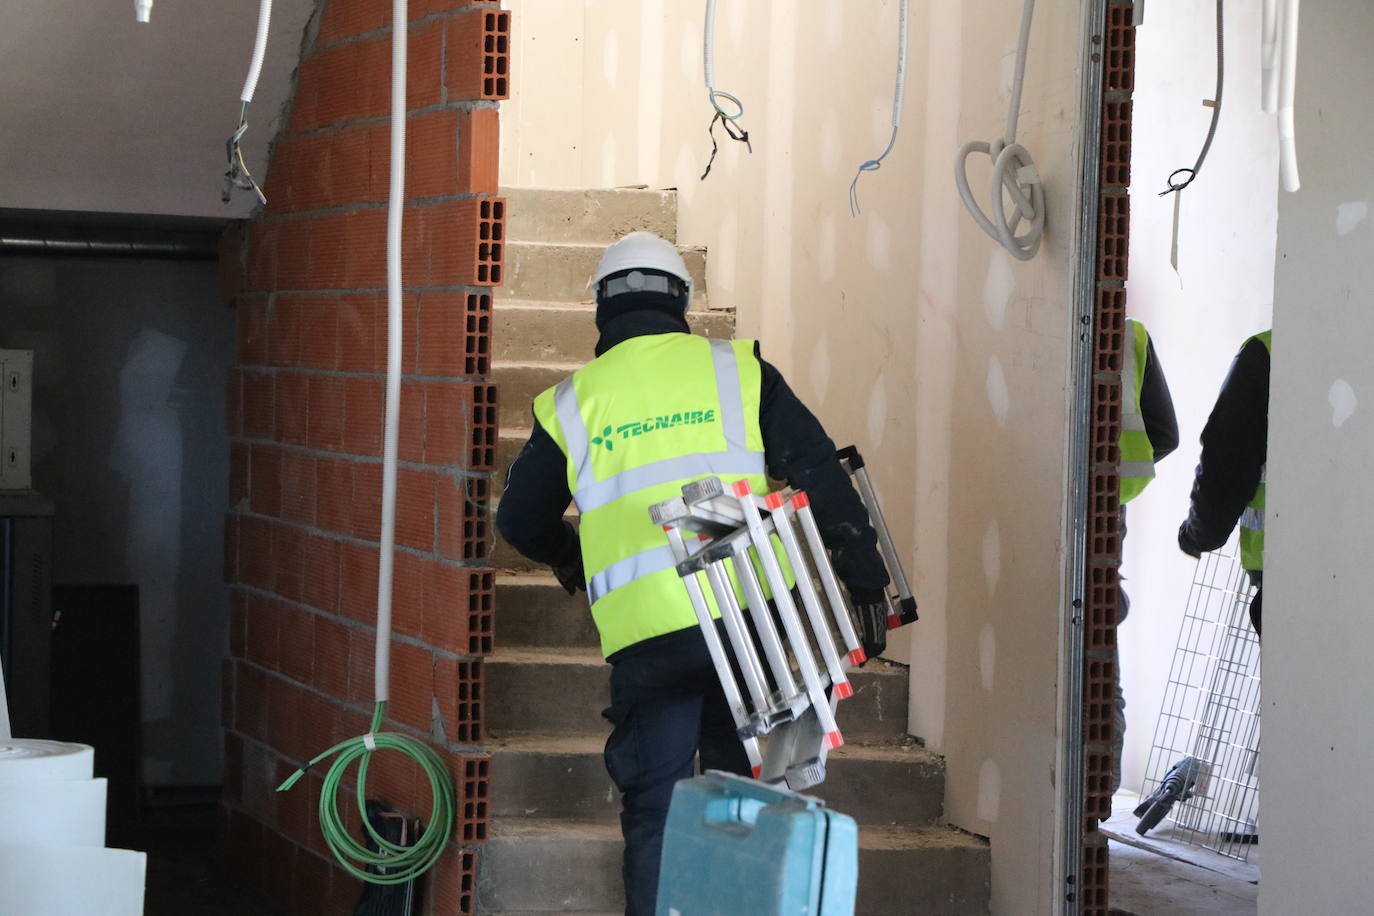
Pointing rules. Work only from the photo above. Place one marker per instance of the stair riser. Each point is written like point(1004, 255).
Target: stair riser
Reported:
point(519, 385)
point(559, 273)
point(547, 215)
point(576, 787)
point(569, 334)
point(560, 875)
point(554, 699)
point(544, 615)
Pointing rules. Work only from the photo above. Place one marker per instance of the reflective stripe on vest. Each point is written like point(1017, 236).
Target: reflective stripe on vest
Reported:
point(1252, 519)
point(1137, 466)
point(644, 563)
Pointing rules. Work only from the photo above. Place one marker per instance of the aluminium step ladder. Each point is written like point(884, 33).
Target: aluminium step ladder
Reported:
point(788, 660)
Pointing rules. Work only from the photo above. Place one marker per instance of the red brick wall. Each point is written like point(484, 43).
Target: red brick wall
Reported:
point(305, 412)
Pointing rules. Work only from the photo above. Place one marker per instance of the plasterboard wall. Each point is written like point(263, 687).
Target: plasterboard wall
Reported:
point(1317, 735)
point(906, 330)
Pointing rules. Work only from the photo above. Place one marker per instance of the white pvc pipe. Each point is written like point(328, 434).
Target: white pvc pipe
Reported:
point(708, 49)
point(250, 84)
point(1288, 74)
point(900, 93)
point(1269, 46)
point(391, 432)
point(143, 10)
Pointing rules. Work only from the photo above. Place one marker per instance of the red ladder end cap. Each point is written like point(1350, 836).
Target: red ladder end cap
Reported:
point(800, 500)
point(757, 771)
point(834, 740)
point(857, 657)
point(844, 690)
point(893, 621)
point(741, 488)
point(773, 501)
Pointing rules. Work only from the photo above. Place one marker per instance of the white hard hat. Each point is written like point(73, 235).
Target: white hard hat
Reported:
point(642, 251)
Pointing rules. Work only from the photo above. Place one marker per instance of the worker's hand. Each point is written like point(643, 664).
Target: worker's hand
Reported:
point(1187, 543)
point(570, 574)
point(872, 626)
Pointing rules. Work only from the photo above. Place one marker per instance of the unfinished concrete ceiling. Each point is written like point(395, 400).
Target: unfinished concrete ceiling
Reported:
point(101, 113)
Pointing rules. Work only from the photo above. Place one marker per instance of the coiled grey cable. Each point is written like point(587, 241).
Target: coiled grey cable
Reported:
point(898, 94)
point(1014, 174)
point(1191, 174)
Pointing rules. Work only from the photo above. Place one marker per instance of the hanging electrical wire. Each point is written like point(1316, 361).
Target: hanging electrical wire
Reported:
point(898, 93)
point(237, 174)
point(1188, 175)
point(402, 863)
point(1014, 174)
point(729, 122)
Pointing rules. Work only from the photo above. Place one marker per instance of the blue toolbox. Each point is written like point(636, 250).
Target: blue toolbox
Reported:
point(736, 847)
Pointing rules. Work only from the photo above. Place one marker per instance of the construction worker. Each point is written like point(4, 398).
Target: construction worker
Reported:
point(1229, 483)
point(659, 407)
point(1149, 433)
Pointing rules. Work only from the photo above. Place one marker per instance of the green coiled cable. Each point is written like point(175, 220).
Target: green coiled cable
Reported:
point(403, 863)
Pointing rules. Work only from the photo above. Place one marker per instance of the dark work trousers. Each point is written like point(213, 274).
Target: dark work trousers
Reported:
point(667, 706)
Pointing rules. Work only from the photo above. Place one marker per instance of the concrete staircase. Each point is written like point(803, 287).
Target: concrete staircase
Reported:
point(555, 843)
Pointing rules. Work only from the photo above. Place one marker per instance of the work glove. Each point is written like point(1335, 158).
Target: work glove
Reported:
point(570, 574)
point(1187, 543)
point(568, 571)
point(872, 614)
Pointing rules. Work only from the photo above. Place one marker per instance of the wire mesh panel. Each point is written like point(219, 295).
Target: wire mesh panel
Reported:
point(1211, 714)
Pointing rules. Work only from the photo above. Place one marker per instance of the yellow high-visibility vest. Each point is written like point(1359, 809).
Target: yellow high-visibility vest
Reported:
point(1137, 454)
point(637, 423)
point(1252, 519)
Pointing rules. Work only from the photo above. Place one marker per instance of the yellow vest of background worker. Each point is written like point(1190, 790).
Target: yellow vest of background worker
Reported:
point(637, 423)
point(1252, 519)
point(1137, 454)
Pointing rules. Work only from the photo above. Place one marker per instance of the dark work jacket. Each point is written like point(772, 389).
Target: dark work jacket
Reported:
point(796, 450)
point(1157, 407)
point(1234, 444)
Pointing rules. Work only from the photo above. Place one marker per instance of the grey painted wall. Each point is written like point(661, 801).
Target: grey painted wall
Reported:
point(103, 113)
point(129, 441)
point(1318, 689)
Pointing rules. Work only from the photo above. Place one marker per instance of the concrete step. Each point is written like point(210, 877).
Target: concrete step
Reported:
point(561, 691)
point(544, 866)
point(534, 611)
point(558, 272)
point(597, 216)
point(566, 331)
point(521, 382)
point(563, 777)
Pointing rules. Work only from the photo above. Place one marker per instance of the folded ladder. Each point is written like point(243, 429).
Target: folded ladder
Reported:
point(793, 673)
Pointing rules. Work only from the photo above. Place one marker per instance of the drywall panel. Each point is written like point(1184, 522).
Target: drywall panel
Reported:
point(1197, 315)
point(908, 331)
point(1318, 739)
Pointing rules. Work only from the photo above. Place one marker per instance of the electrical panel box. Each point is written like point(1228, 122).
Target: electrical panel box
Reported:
point(16, 418)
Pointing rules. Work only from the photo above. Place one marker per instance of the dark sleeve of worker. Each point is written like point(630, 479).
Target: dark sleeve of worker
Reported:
point(1234, 444)
point(530, 516)
point(1157, 407)
point(799, 451)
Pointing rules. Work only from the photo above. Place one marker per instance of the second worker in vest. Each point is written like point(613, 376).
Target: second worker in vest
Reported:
point(1149, 433)
point(657, 408)
point(1229, 484)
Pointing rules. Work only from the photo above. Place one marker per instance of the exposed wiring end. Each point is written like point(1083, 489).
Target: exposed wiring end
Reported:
point(143, 10)
point(237, 174)
point(871, 165)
